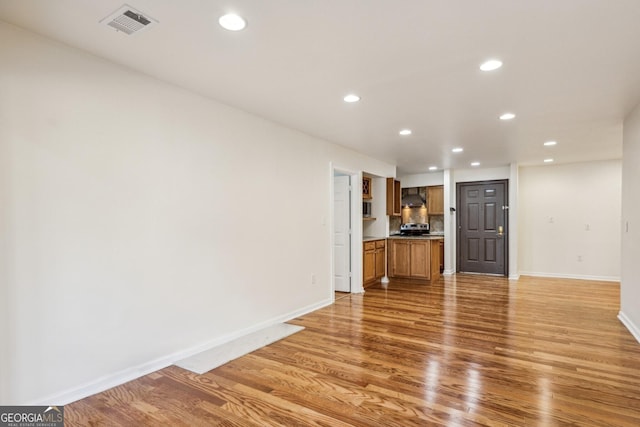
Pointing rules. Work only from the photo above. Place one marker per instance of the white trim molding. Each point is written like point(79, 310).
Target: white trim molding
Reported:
point(633, 328)
point(130, 374)
point(571, 276)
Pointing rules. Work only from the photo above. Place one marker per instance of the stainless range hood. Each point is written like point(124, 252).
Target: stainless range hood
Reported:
point(413, 201)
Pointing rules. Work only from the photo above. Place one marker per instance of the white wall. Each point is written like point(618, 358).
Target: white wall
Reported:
point(422, 179)
point(557, 205)
point(630, 286)
point(126, 230)
point(487, 174)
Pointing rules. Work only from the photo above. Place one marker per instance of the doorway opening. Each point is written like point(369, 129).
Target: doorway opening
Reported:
point(483, 231)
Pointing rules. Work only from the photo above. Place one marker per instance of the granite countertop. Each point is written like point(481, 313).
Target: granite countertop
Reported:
point(432, 236)
point(427, 237)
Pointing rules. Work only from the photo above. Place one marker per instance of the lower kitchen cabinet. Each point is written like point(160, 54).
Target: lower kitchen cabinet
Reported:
point(374, 261)
point(399, 258)
point(414, 259)
point(369, 263)
point(381, 258)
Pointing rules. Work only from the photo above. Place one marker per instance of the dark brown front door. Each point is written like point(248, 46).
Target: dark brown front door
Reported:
point(482, 227)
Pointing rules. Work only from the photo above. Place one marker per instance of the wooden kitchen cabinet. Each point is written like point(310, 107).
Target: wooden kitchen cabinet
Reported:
point(399, 258)
point(369, 262)
point(374, 261)
point(409, 258)
point(394, 197)
point(381, 259)
point(435, 200)
point(419, 264)
point(414, 259)
point(441, 256)
point(366, 188)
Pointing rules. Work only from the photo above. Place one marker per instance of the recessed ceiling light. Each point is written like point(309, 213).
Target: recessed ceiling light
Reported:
point(550, 143)
point(405, 132)
point(548, 160)
point(457, 150)
point(351, 98)
point(475, 163)
point(232, 22)
point(433, 168)
point(507, 116)
point(490, 65)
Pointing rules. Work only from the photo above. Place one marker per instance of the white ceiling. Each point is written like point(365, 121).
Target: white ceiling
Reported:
point(571, 69)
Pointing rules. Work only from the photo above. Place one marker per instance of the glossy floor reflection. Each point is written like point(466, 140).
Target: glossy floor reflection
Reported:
point(468, 350)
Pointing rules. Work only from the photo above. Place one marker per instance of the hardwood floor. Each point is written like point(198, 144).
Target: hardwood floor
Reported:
point(467, 350)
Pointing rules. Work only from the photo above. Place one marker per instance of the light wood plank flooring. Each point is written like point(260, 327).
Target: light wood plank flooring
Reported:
point(468, 350)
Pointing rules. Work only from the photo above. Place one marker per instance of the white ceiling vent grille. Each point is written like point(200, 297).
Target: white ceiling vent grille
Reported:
point(128, 20)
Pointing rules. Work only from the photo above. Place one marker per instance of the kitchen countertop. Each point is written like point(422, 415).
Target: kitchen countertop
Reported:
point(434, 236)
point(427, 237)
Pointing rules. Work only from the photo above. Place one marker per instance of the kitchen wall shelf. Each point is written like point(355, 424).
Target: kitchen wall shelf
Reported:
point(367, 189)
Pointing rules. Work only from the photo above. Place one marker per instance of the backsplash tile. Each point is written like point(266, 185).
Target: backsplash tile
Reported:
point(415, 215)
point(436, 223)
point(394, 224)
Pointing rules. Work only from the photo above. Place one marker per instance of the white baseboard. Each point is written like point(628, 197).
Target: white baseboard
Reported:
point(117, 378)
point(514, 276)
point(105, 382)
point(633, 328)
point(571, 276)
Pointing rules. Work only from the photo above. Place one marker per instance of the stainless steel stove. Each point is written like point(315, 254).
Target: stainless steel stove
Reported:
point(414, 229)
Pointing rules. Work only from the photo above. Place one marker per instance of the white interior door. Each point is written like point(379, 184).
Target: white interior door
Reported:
point(341, 234)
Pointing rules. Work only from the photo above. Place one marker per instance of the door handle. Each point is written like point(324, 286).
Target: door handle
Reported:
point(500, 231)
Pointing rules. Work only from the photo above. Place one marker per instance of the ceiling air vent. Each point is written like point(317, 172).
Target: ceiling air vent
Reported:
point(128, 20)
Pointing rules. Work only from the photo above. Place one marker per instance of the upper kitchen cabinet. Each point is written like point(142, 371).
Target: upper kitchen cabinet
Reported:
point(435, 200)
point(366, 188)
point(394, 195)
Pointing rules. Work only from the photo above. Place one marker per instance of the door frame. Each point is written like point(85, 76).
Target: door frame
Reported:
point(356, 229)
point(459, 186)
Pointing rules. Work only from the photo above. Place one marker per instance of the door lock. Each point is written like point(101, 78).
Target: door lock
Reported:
point(500, 230)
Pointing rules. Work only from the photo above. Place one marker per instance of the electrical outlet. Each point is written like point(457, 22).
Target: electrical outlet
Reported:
point(587, 227)
point(579, 258)
point(313, 279)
